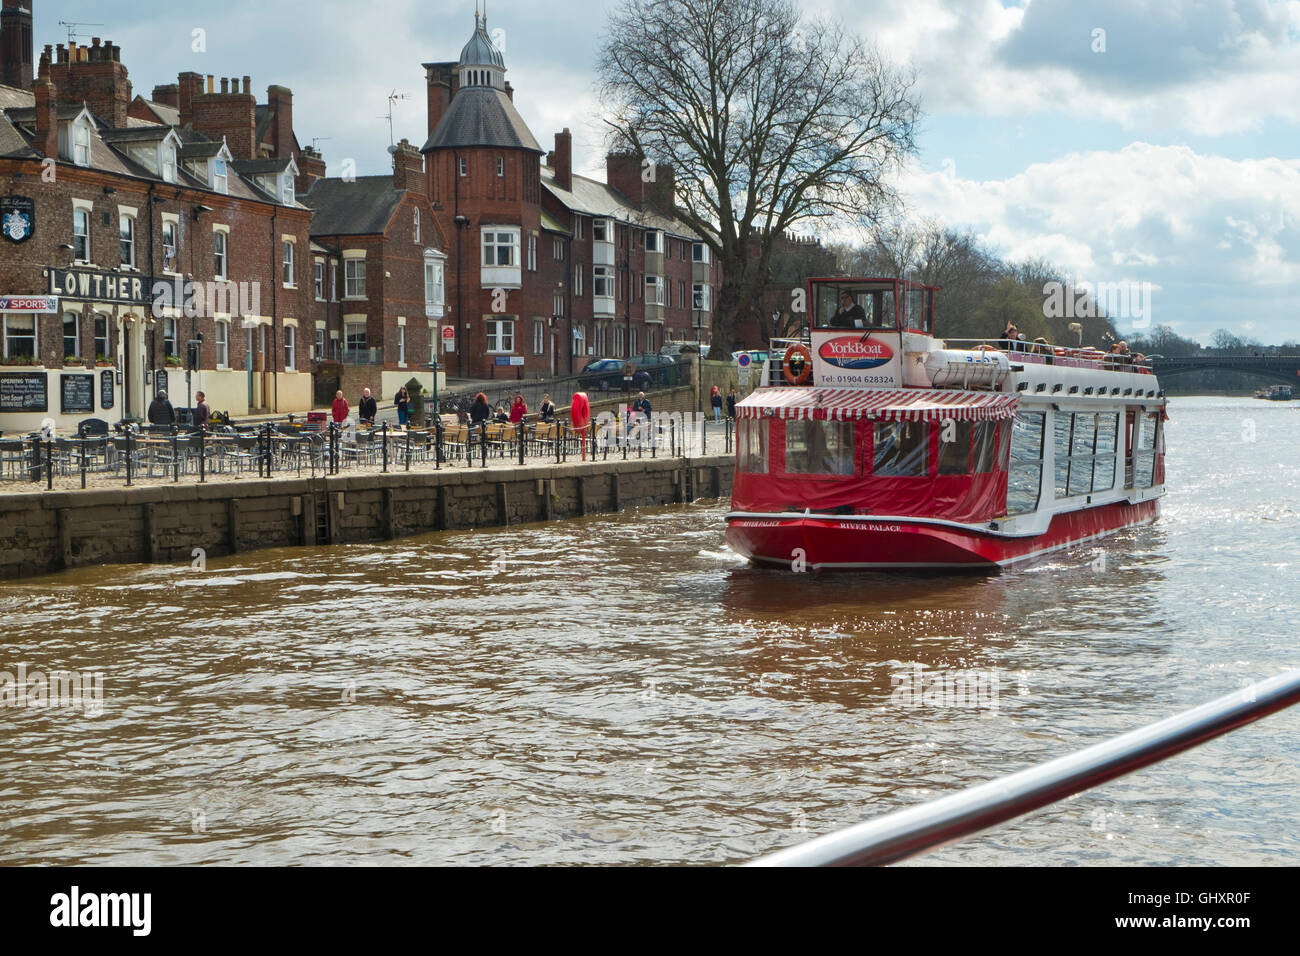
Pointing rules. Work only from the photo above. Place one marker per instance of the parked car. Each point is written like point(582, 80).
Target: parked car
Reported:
point(602, 374)
point(675, 348)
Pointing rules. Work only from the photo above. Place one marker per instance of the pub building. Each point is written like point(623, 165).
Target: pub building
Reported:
point(146, 244)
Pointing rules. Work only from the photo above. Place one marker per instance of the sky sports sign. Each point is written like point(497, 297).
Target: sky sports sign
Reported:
point(855, 359)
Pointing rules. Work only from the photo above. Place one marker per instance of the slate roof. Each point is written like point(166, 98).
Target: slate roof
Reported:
point(167, 115)
point(482, 116)
point(592, 198)
point(12, 96)
point(362, 207)
point(12, 142)
point(480, 50)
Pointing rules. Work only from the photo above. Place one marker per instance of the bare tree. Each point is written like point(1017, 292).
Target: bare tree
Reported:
point(767, 118)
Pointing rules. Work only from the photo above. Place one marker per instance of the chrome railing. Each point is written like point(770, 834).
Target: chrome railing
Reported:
point(915, 830)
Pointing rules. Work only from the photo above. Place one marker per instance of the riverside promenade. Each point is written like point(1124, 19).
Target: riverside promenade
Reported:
point(175, 514)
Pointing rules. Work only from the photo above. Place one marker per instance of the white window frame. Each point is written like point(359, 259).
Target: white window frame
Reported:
point(501, 167)
point(34, 318)
point(334, 280)
point(126, 224)
point(532, 253)
point(320, 344)
point(653, 240)
point(415, 224)
point(288, 192)
point(500, 336)
point(220, 252)
point(602, 277)
point(81, 142)
point(220, 175)
point(401, 345)
point(557, 250)
point(290, 348)
point(167, 161)
point(106, 339)
point(81, 209)
point(221, 341)
point(618, 341)
point(171, 333)
point(463, 166)
point(354, 278)
point(578, 270)
point(699, 297)
point(654, 290)
point(318, 280)
point(491, 240)
point(600, 230)
point(175, 245)
point(539, 336)
point(435, 293)
point(76, 335)
point(288, 255)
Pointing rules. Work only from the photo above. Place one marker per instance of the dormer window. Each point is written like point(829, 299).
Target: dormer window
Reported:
point(220, 178)
point(81, 142)
point(287, 195)
point(167, 163)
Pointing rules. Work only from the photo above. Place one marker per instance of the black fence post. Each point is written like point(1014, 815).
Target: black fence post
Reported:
point(383, 437)
point(559, 439)
point(129, 456)
point(469, 446)
point(203, 452)
point(437, 442)
point(176, 462)
point(728, 449)
point(672, 438)
point(408, 447)
point(81, 437)
point(49, 464)
point(521, 441)
point(482, 441)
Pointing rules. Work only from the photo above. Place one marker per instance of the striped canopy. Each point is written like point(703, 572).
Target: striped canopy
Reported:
point(880, 404)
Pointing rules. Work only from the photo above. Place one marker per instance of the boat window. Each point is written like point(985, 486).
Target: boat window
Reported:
point(751, 445)
point(954, 447)
point(1061, 451)
point(1024, 475)
point(1145, 457)
point(1103, 473)
point(870, 305)
point(818, 448)
point(985, 440)
point(1082, 446)
point(901, 449)
point(918, 314)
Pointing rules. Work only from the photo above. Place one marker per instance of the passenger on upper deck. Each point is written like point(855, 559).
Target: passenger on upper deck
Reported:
point(849, 315)
point(1010, 336)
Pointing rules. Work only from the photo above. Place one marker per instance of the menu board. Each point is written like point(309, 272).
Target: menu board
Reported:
point(23, 392)
point(159, 381)
point(106, 388)
point(77, 393)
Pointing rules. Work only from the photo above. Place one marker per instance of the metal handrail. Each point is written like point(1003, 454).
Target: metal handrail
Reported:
point(915, 830)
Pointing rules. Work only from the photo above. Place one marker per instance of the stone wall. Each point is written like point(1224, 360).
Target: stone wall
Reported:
point(42, 533)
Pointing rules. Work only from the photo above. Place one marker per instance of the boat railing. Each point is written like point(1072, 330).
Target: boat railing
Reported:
point(776, 348)
point(1040, 353)
point(937, 823)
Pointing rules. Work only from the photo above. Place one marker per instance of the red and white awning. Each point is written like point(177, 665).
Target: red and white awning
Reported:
point(877, 404)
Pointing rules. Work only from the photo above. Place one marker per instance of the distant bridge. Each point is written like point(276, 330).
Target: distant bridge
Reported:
point(1275, 368)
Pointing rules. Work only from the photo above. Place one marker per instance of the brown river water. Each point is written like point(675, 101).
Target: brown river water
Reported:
point(622, 690)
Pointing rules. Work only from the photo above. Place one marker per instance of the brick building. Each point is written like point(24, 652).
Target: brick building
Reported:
point(144, 234)
point(548, 268)
point(379, 274)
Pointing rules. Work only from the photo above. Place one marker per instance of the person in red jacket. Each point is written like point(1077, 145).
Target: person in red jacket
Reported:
point(518, 410)
point(339, 410)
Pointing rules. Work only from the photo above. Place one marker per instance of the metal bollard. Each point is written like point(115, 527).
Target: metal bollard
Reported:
point(203, 453)
point(176, 464)
point(384, 440)
point(128, 455)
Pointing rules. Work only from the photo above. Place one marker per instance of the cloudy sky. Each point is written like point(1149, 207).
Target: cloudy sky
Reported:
point(1141, 141)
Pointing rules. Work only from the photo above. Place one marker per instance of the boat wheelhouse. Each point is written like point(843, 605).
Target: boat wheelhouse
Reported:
point(870, 444)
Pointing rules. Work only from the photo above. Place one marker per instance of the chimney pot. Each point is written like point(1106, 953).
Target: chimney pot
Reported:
point(248, 81)
point(94, 41)
point(211, 85)
point(225, 85)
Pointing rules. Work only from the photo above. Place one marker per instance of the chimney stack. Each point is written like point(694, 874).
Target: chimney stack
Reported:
point(280, 101)
point(16, 44)
point(662, 193)
point(439, 93)
point(408, 168)
point(95, 75)
point(167, 95)
point(564, 159)
point(47, 120)
point(226, 113)
point(623, 172)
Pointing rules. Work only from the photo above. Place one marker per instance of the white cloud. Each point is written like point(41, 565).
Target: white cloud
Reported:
point(1220, 238)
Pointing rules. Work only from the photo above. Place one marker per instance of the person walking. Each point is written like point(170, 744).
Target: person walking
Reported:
point(202, 411)
point(403, 402)
point(731, 403)
point(518, 410)
point(339, 410)
point(715, 399)
point(161, 411)
point(367, 408)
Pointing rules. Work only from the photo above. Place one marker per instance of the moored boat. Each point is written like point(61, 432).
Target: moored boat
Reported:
point(870, 444)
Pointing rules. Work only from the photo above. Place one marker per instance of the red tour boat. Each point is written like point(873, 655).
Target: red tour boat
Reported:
point(871, 444)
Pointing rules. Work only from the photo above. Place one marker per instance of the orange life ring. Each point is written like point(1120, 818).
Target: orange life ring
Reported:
point(800, 352)
point(987, 348)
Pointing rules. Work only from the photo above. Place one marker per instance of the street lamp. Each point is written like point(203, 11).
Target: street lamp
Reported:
point(462, 223)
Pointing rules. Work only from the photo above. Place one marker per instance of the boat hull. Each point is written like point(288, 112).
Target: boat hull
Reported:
point(830, 542)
